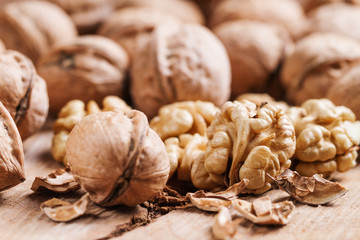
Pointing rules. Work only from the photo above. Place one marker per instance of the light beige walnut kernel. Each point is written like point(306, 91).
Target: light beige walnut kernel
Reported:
point(72, 113)
point(184, 117)
point(262, 98)
point(327, 137)
point(253, 140)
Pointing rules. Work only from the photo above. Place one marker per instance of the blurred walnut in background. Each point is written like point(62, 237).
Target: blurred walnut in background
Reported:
point(312, 4)
point(34, 27)
point(89, 68)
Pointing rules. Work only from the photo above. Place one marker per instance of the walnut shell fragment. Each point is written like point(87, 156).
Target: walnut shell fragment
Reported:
point(88, 68)
point(60, 180)
point(180, 62)
point(184, 117)
point(327, 137)
point(223, 227)
point(263, 211)
point(34, 27)
point(213, 201)
point(248, 141)
point(11, 152)
point(61, 211)
point(23, 92)
point(314, 190)
point(117, 158)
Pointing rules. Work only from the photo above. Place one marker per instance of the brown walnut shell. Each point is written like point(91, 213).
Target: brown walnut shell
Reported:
point(117, 158)
point(309, 5)
point(179, 63)
point(23, 92)
point(11, 152)
point(33, 27)
point(89, 68)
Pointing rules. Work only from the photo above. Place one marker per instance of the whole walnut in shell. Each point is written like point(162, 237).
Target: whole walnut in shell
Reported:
point(127, 24)
point(23, 92)
point(34, 27)
point(339, 18)
point(184, 10)
point(89, 68)
point(327, 137)
point(117, 158)
point(317, 63)
point(179, 62)
point(86, 14)
point(255, 50)
point(247, 141)
point(11, 153)
point(285, 13)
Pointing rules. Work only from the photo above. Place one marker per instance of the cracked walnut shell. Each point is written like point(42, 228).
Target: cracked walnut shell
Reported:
point(11, 152)
point(327, 137)
point(23, 92)
point(34, 27)
point(179, 63)
point(117, 158)
point(89, 68)
point(247, 141)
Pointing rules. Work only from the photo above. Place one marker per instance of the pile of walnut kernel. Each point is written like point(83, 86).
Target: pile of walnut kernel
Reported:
point(227, 96)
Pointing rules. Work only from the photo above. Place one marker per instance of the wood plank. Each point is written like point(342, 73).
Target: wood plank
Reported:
point(21, 217)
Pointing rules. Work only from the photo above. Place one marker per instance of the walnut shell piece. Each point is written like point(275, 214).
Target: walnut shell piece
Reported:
point(179, 62)
point(23, 92)
point(89, 68)
point(11, 152)
point(317, 62)
point(34, 27)
point(253, 140)
point(117, 158)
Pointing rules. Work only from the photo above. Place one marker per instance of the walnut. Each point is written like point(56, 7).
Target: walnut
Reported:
point(71, 114)
point(346, 91)
point(86, 14)
point(284, 13)
point(184, 117)
point(261, 99)
point(247, 141)
point(34, 27)
point(89, 68)
point(179, 63)
point(187, 157)
point(339, 18)
point(2, 46)
point(318, 61)
point(186, 11)
point(11, 154)
point(326, 137)
point(309, 5)
point(255, 50)
point(126, 25)
point(117, 158)
point(23, 92)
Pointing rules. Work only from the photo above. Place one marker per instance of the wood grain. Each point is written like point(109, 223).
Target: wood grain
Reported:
point(21, 218)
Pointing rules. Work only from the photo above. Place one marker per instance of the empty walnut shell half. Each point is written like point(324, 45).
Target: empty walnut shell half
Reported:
point(33, 27)
point(117, 158)
point(255, 50)
point(318, 61)
point(179, 63)
point(11, 152)
point(23, 92)
point(89, 68)
point(86, 14)
point(285, 13)
point(247, 141)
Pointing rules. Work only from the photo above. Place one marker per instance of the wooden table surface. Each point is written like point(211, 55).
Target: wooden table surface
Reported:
point(21, 217)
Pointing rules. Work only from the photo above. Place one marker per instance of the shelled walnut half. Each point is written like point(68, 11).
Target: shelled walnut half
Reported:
point(327, 137)
point(247, 141)
point(72, 113)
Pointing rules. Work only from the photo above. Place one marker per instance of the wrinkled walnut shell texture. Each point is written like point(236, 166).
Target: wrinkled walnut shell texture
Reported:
point(34, 27)
point(117, 158)
point(89, 68)
point(23, 92)
point(11, 152)
point(179, 63)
